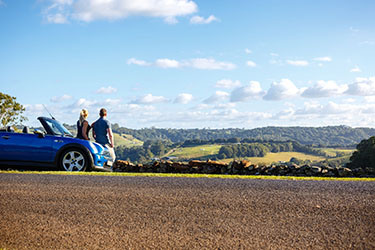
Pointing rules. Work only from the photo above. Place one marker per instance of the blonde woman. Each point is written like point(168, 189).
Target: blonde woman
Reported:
point(83, 126)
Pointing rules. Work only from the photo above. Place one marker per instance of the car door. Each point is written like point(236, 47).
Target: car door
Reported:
point(22, 147)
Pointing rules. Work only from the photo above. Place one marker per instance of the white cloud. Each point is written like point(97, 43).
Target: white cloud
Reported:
point(247, 51)
point(183, 98)
point(285, 114)
point(2, 3)
point(201, 106)
point(367, 43)
point(219, 96)
point(138, 62)
point(297, 62)
point(36, 109)
point(275, 60)
point(251, 64)
point(229, 105)
point(82, 103)
point(106, 90)
point(91, 10)
point(202, 20)
point(209, 63)
point(61, 98)
point(246, 93)
point(167, 63)
point(218, 118)
point(171, 20)
point(331, 108)
point(354, 30)
point(356, 69)
point(369, 99)
point(323, 59)
point(282, 90)
point(150, 99)
point(328, 114)
point(324, 89)
point(218, 115)
point(197, 63)
point(352, 100)
point(227, 84)
point(362, 87)
point(57, 18)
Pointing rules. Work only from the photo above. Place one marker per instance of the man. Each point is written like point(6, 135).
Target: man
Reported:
point(102, 132)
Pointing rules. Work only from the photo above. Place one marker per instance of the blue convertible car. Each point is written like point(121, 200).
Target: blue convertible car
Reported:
point(55, 147)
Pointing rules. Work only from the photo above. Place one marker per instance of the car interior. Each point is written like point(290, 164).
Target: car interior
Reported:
point(26, 130)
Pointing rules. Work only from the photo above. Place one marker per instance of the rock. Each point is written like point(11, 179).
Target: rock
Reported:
point(370, 171)
point(181, 167)
point(210, 169)
point(245, 163)
point(328, 174)
point(344, 172)
point(359, 172)
point(316, 170)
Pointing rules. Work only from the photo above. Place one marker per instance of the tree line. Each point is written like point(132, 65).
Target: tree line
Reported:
point(257, 149)
point(141, 154)
point(232, 148)
point(330, 136)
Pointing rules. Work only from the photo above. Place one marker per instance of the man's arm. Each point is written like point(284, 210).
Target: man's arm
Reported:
point(110, 135)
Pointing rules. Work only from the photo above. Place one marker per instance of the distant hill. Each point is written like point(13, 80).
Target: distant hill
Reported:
point(323, 136)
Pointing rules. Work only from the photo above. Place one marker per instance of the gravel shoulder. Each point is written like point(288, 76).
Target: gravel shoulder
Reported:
point(113, 212)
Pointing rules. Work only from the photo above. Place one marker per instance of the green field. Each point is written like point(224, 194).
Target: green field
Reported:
point(283, 157)
point(126, 140)
point(211, 151)
point(278, 157)
point(195, 152)
point(333, 151)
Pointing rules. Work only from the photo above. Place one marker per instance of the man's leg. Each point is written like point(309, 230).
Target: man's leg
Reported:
point(111, 152)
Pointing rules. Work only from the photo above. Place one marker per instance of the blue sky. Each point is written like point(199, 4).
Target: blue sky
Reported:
point(192, 64)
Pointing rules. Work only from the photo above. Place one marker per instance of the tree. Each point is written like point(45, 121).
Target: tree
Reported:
point(10, 110)
point(365, 154)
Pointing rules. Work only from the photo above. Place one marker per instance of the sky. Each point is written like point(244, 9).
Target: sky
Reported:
point(192, 63)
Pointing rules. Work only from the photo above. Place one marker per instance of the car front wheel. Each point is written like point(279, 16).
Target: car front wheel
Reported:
point(74, 160)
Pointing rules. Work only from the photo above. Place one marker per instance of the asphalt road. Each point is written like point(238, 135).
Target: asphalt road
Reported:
point(99, 212)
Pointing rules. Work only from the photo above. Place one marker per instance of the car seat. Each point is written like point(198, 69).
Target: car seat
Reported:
point(10, 129)
point(26, 130)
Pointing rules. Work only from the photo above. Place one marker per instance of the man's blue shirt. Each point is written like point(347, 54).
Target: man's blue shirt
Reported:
point(100, 128)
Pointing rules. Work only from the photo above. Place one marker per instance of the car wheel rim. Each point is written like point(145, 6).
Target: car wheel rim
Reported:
point(73, 161)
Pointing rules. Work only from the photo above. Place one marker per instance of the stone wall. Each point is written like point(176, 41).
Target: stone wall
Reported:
point(241, 168)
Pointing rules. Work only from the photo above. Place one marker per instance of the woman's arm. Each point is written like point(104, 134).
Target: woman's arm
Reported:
point(93, 131)
point(84, 130)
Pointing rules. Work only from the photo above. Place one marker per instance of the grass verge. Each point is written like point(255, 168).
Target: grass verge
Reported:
point(262, 177)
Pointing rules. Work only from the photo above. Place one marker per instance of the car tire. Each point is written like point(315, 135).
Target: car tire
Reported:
point(74, 159)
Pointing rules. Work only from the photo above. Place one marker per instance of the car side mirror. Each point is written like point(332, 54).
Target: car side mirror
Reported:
point(40, 133)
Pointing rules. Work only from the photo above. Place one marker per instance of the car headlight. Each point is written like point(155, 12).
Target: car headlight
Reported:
point(106, 153)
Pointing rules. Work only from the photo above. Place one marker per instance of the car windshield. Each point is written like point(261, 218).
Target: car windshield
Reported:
point(57, 128)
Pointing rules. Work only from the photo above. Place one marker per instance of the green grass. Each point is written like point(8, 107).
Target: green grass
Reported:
point(333, 151)
point(127, 140)
point(263, 177)
point(281, 156)
point(211, 151)
point(195, 152)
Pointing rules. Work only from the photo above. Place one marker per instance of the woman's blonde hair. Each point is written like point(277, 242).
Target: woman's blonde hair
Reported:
point(83, 116)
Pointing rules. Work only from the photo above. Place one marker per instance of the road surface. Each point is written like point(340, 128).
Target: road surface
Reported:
point(109, 212)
